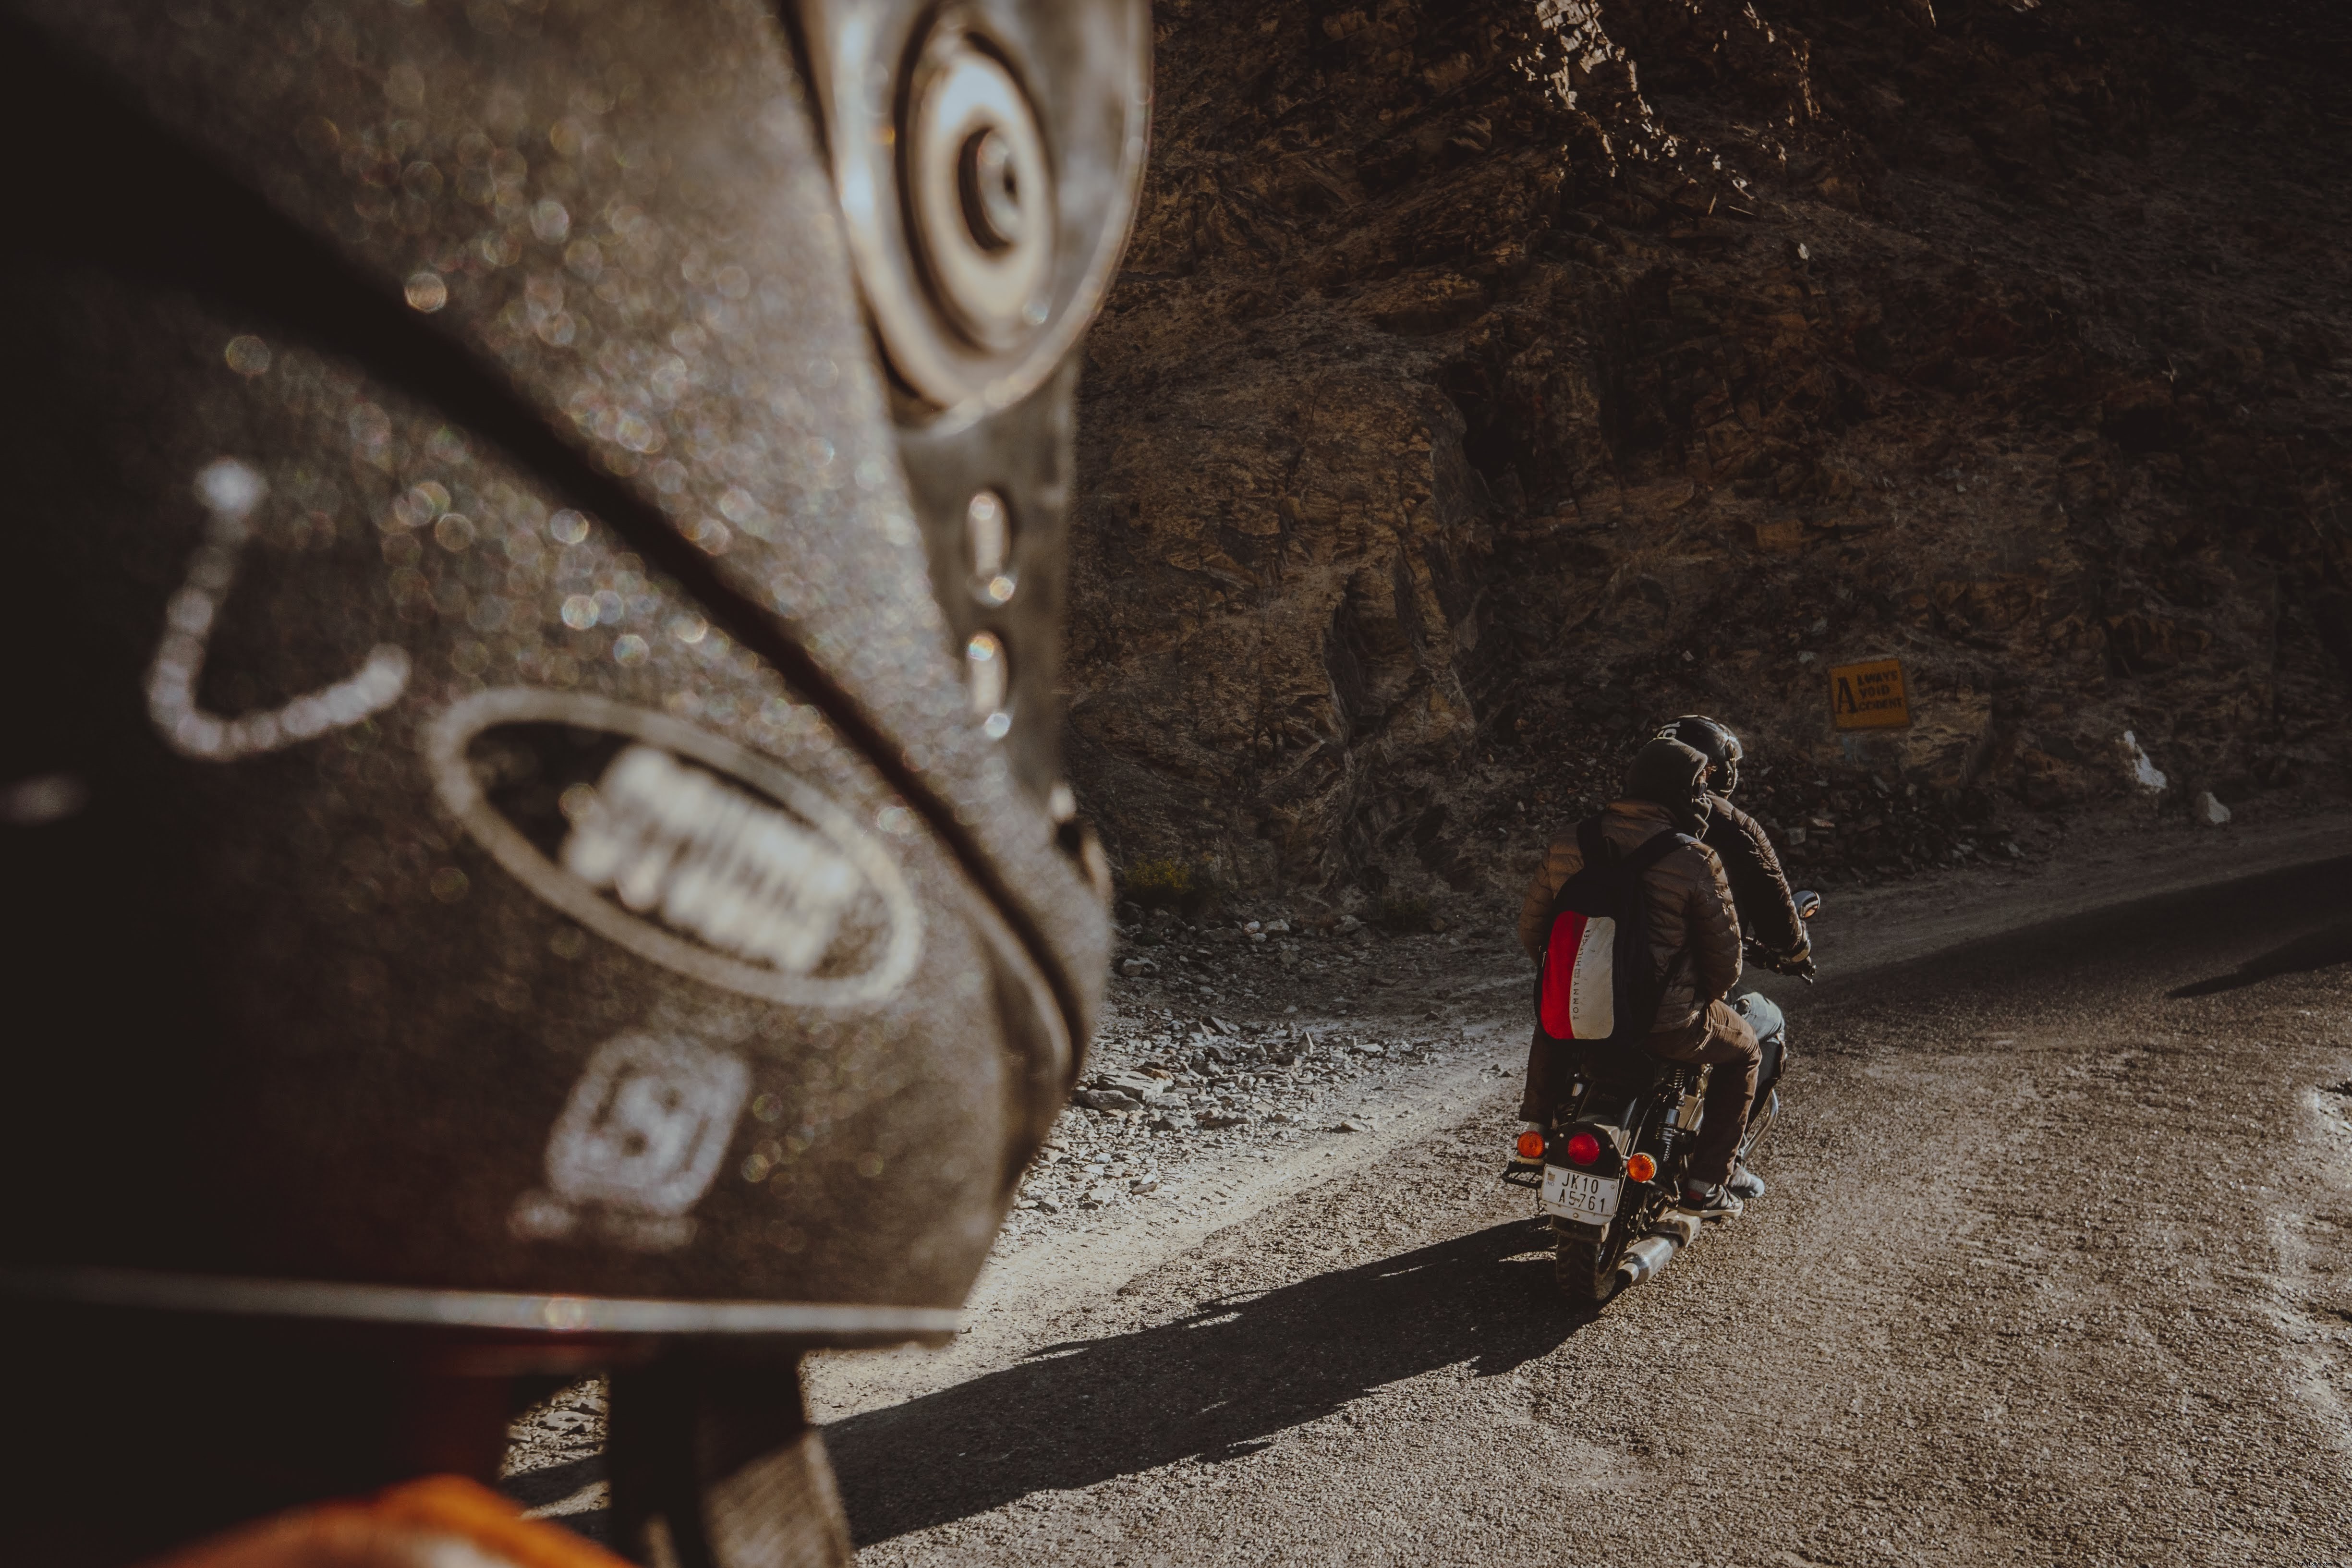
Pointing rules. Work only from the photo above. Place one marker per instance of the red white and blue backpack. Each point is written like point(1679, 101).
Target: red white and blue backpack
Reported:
point(1596, 984)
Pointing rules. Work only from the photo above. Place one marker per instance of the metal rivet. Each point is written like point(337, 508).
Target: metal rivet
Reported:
point(988, 529)
point(987, 673)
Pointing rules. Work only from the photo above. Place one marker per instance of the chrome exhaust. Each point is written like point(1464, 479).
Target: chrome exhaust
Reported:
point(1646, 1257)
point(1676, 1230)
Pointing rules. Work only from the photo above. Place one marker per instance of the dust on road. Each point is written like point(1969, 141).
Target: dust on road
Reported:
point(2053, 1270)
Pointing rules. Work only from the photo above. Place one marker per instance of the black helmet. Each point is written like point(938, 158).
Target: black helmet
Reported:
point(531, 809)
point(1712, 740)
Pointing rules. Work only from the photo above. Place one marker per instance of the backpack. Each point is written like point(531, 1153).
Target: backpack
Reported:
point(1596, 985)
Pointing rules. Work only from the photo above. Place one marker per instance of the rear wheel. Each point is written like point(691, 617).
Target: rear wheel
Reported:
point(1587, 1269)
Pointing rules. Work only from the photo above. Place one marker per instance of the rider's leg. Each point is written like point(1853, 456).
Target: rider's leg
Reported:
point(1729, 1047)
point(1764, 1016)
point(1535, 1100)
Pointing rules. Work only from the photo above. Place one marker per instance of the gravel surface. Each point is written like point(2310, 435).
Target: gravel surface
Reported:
point(555, 1458)
point(2052, 1269)
point(1264, 1048)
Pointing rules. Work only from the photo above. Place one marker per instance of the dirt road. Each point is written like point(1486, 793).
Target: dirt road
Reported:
point(2055, 1268)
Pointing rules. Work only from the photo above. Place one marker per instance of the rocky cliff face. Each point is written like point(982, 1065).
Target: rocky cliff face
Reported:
point(1490, 380)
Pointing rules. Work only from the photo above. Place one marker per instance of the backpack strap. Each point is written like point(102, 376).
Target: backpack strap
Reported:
point(1600, 853)
point(1596, 852)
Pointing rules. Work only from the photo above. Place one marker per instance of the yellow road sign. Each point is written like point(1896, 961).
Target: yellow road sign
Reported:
point(1869, 696)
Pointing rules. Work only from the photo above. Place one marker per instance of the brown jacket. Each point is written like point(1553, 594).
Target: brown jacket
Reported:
point(1694, 926)
point(1759, 890)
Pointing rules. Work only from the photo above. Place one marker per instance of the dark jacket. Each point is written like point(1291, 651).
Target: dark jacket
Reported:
point(1758, 888)
point(1694, 930)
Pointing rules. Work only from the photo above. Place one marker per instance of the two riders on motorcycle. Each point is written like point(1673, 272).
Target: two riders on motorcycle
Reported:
point(1697, 897)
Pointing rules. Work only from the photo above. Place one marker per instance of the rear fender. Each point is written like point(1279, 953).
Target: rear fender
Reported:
point(1615, 1142)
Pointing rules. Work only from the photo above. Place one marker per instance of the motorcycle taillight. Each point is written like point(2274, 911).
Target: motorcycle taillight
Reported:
point(1583, 1149)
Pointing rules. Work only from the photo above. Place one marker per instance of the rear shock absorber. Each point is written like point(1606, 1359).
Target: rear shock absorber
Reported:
point(1675, 1125)
point(1684, 1114)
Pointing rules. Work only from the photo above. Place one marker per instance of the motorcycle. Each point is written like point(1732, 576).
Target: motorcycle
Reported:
point(1619, 1146)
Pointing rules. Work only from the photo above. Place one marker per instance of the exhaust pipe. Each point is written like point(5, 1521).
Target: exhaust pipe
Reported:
point(1646, 1257)
point(1675, 1231)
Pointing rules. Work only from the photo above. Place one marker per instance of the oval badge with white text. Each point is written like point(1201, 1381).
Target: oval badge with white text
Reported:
point(682, 847)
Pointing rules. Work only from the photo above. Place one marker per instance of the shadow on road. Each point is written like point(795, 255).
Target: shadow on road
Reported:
point(1226, 1380)
point(2321, 949)
point(567, 1486)
point(1218, 1384)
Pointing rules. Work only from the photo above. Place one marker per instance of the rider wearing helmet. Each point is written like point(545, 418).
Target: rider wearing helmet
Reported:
point(1765, 911)
point(1758, 887)
point(1694, 939)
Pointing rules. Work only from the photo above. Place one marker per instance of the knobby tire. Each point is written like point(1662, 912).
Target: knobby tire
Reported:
point(1585, 1269)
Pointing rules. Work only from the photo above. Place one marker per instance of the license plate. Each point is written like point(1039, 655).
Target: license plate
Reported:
point(1573, 1194)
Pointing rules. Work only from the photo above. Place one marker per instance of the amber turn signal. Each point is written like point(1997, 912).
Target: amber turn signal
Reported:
point(1530, 1144)
point(1640, 1167)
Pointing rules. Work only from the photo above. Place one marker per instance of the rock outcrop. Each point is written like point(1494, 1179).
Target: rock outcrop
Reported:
point(1488, 381)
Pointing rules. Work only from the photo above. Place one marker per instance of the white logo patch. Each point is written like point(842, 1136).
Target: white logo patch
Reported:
point(724, 864)
point(730, 870)
point(638, 1143)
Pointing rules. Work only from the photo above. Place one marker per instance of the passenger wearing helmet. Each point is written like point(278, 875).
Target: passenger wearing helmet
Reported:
point(1768, 912)
point(531, 837)
point(1693, 937)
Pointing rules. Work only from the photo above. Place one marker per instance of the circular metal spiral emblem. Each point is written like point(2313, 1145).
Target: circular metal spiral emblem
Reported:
point(982, 192)
point(987, 153)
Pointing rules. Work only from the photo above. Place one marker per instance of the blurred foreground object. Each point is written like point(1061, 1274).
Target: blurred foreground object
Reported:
point(535, 839)
point(421, 1524)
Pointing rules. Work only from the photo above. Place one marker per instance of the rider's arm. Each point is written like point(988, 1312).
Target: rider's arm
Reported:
point(1760, 888)
point(1561, 862)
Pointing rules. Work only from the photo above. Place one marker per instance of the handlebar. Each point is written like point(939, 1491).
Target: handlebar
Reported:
point(1803, 969)
point(1807, 903)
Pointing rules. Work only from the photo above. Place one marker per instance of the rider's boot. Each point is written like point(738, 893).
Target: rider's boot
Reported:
point(1745, 1184)
point(1711, 1203)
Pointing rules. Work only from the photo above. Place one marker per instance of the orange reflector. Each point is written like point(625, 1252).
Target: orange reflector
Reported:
point(1530, 1144)
point(1640, 1167)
